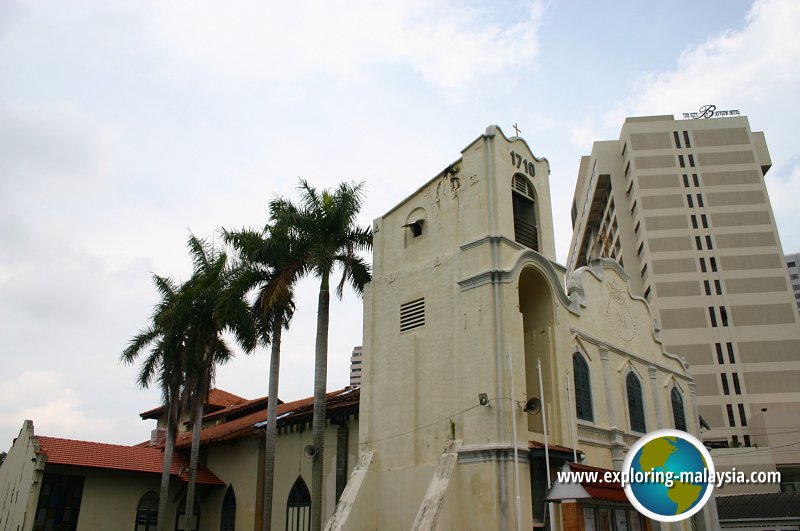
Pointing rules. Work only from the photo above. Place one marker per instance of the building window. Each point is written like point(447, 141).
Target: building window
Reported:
point(583, 388)
point(723, 315)
point(635, 403)
point(147, 512)
point(725, 388)
point(298, 507)
point(703, 265)
point(677, 409)
point(700, 200)
point(681, 161)
point(718, 287)
point(713, 262)
point(686, 138)
point(180, 517)
point(691, 161)
point(522, 199)
point(712, 314)
point(696, 180)
point(707, 286)
point(737, 388)
point(698, 243)
point(731, 419)
point(720, 359)
point(704, 220)
point(59, 502)
point(685, 181)
point(689, 200)
point(228, 519)
point(708, 242)
point(730, 352)
point(742, 415)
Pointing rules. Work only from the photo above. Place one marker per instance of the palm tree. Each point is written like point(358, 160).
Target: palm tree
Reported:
point(321, 233)
point(166, 337)
point(272, 312)
point(211, 313)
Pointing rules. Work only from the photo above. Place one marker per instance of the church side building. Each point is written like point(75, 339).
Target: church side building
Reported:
point(466, 308)
point(682, 205)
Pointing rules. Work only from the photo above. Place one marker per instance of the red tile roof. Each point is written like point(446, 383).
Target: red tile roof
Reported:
point(601, 490)
point(287, 413)
point(117, 457)
point(217, 398)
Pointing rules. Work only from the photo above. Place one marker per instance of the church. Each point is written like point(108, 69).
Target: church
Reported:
point(486, 369)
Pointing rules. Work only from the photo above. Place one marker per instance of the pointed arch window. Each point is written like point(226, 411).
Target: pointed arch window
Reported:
point(583, 388)
point(635, 403)
point(522, 202)
point(147, 512)
point(298, 507)
point(180, 516)
point(678, 414)
point(228, 518)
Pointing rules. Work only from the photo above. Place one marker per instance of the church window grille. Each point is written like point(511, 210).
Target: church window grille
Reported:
point(298, 507)
point(523, 204)
point(147, 512)
point(228, 517)
point(635, 403)
point(678, 414)
point(583, 388)
point(180, 516)
point(412, 314)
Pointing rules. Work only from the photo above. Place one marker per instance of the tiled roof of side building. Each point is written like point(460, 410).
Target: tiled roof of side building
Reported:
point(217, 398)
point(759, 506)
point(337, 402)
point(117, 457)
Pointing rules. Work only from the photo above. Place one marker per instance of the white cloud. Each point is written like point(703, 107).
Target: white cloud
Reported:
point(55, 408)
point(447, 44)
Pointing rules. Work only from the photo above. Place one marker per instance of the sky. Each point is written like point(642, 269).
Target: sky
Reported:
point(125, 126)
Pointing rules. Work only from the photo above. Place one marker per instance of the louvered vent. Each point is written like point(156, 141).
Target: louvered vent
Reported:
point(412, 315)
point(523, 186)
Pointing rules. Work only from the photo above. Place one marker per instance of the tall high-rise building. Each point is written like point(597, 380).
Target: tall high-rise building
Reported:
point(682, 205)
point(793, 264)
point(356, 364)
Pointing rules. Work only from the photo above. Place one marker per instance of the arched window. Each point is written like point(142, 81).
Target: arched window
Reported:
point(298, 507)
point(583, 388)
point(147, 512)
point(677, 409)
point(180, 516)
point(522, 201)
point(227, 521)
point(635, 403)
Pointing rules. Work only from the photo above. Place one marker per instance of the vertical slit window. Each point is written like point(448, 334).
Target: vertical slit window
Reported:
point(703, 265)
point(686, 139)
point(678, 415)
point(677, 139)
point(713, 316)
point(698, 243)
point(522, 197)
point(731, 419)
point(704, 220)
point(635, 403)
point(681, 161)
point(723, 315)
point(709, 245)
point(713, 262)
point(694, 221)
point(720, 359)
point(707, 286)
point(726, 390)
point(691, 161)
point(737, 388)
point(747, 440)
point(583, 388)
point(685, 180)
point(742, 415)
point(689, 200)
point(730, 352)
point(718, 287)
point(700, 200)
point(696, 182)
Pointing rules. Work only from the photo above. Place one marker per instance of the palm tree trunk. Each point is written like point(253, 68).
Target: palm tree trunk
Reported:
point(169, 448)
point(200, 398)
point(320, 388)
point(272, 421)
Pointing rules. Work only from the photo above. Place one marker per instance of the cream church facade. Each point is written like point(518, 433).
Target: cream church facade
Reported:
point(466, 308)
point(466, 301)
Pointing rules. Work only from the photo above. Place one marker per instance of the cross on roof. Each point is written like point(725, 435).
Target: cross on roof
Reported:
point(517, 129)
